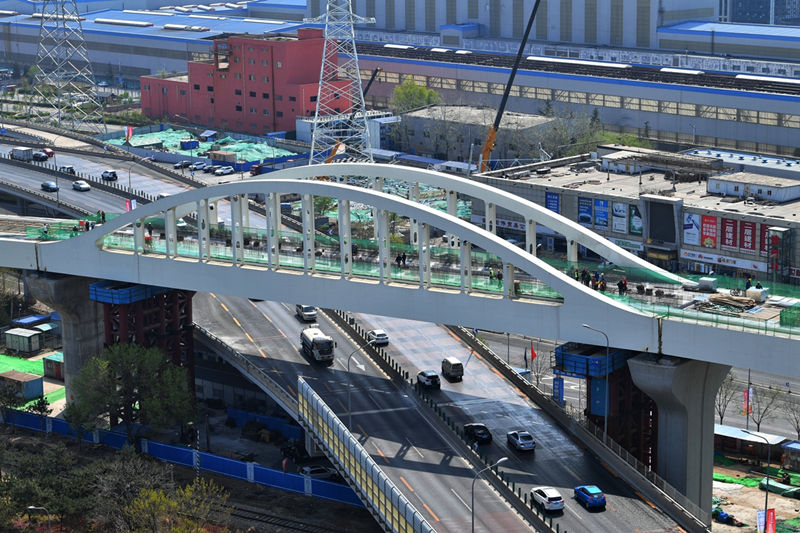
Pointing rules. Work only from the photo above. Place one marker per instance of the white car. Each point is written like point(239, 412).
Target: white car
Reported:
point(521, 440)
point(319, 472)
point(380, 337)
point(80, 185)
point(547, 498)
point(197, 166)
point(223, 171)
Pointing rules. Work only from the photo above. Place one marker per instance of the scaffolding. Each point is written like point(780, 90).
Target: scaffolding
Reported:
point(63, 87)
point(340, 94)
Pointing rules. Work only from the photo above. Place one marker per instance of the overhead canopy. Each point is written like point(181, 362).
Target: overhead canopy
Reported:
point(752, 436)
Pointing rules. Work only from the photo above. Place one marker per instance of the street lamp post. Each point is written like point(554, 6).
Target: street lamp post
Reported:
point(477, 475)
point(350, 384)
point(769, 460)
point(34, 508)
point(608, 382)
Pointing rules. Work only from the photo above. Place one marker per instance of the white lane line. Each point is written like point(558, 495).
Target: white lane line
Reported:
point(462, 501)
point(415, 449)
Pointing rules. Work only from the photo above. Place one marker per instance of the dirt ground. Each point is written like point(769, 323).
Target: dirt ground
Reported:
point(743, 502)
point(313, 511)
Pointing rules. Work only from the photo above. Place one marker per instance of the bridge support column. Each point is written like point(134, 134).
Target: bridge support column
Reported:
point(491, 217)
point(466, 267)
point(345, 240)
point(308, 233)
point(424, 249)
point(530, 236)
point(452, 209)
point(203, 231)
point(684, 391)
point(413, 195)
point(572, 251)
point(273, 204)
point(81, 319)
point(381, 222)
point(377, 185)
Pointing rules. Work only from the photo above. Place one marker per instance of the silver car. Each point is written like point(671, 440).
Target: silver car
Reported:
point(521, 440)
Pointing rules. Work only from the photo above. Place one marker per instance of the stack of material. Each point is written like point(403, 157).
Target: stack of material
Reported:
point(739, 302)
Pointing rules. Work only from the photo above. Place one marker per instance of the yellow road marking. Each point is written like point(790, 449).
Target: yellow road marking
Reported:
point(225, 307)
point(645, 500)
point(609, 469)
point(361, 430)
point(237, 322)
point(262, 352)
point(381, 454)
point(425, 505)
point(291, 390)
point(344, 407)
point(406, 483)
point(213, 295)
point(249, 337)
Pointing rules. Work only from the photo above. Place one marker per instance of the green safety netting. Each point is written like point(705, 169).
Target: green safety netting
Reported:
point(171, 141)
point(745, 481)
point(9, 362)
point(59, 231)
point(730, 282)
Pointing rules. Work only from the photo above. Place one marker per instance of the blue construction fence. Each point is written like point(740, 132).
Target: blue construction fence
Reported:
point(189, 457)
point(288, 430)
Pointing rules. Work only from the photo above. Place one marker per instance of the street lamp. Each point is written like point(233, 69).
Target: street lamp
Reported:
point(501, 460)
point(608, 383)
point(350, 383)
point(769, 460)
point(34, 508)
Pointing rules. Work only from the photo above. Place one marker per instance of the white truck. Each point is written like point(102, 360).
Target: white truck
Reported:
point(22, 153)
point(316, 344)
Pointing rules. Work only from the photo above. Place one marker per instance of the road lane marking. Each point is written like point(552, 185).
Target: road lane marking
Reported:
point(361, 430)
point(225, 307)
point(462, 501)
point(291, 391)
point(262, 353)
point(406, 484)
point(236, 321)
point(609, 469)
point(344, 407)
point(645, 500)
point(436, 518)
point(213, 295)
point(415, 449)
point(382, 455)
point(249, 337)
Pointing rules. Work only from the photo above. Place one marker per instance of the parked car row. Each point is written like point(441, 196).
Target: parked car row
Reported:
point(78, 185)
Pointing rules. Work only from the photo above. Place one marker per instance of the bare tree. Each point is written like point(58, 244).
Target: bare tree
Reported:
point(540, 365)
point(763, 401)
point(725, 395)
point(790, 406)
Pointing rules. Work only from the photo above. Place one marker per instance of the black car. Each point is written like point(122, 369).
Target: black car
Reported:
point(182, 164)
point(476, 432)
point(109, 175)
point(68, 169)
point(40, 156)
point(49, 186)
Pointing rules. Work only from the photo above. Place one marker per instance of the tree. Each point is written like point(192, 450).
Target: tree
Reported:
point(203, 499)
point(120, 481)
point(323, 204)
point(137, 385)
point(189, 509)
point(764, 402)
point(79, 419)
point(791, 407)
point(408, 95)
point(540, 365)
point(42, 408)
point(10, 399)
point(725, 395)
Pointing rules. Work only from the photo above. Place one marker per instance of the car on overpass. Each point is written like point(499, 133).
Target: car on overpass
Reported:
point(224, 171)
point(378, 337)
point(67, 169)
point(81, 185)
point(40, 156)
point(49, 186)
point(477, 432)
point(590, 496)
point(109, 175)
point(521, 441)
point(547, 498)
point(182, 164)
point(429, 379)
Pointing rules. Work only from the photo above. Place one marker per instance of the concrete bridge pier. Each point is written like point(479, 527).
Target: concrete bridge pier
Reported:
point(684, 391)
point(82, 328)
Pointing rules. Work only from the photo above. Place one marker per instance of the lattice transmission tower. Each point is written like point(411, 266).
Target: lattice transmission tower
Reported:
point(340, 118)
point(63, 90)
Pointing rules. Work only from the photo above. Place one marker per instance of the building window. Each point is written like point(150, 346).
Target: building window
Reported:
point(251, 61)
point(278, 113)
point(250, 49)
point(222, 76)
point(238, 92)
point(196, 87)
point(278, 64)
point(212, 100)
point(183, 92)
point(210, 88)
point(313, 98)
point(264, 63)
point(164, 90)
point(265, 96)
point(292, 99)
point(265, 79)
point(238, 76)
point(235, 59)
point(251, 77)
point(266, 112)
point(253, 110)
point(278, 97)
point(252, 94)
point(238, 108)
point(147, 87)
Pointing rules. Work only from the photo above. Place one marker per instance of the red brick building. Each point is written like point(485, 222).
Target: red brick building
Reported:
point(254, 84)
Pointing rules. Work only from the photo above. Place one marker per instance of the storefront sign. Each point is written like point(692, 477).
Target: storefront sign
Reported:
point(747, 237)
point(619, 217)
point(729, 234)
point(735, 262)
point(501, 222)
point(552, 201)
point(601, 214)
point(708, 231)
point(763, 241)
point(691, 229)
point(634, 220)
point(628, 245)
point(585, 212)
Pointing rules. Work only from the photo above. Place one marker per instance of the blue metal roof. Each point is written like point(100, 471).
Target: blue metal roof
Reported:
point(794, 446)
point(750, 159)
point(740, 31)
point(287, 4)
point(215, 22)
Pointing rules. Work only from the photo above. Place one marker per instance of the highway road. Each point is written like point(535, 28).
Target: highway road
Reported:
point(421, 461)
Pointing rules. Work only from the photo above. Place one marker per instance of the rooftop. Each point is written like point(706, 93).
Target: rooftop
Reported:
point(757, 179)
point(730, 29)
point(478, 116)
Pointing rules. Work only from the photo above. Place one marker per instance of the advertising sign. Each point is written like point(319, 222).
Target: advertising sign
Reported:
point(619, 217)
point(747, 264)
point(552, 202)
point(763, 242)
point(691, 229)
point(708, 231)
point(729, 234)
point(747, 237)
point(558, 391)
point(585, 212)
point(634, 220)
point(601, 214)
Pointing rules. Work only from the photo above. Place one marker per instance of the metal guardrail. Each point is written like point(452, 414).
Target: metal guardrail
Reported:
point(254, 373)
point(43, 197)
point(669, 499)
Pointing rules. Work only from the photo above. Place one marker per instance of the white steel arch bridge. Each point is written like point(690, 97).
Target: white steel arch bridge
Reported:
point(443, 286)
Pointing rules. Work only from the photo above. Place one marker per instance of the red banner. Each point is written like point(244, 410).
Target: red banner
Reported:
point(762, 240)
point(747, 237)
point(771, 523)
point(729, 233)
point(708, 231)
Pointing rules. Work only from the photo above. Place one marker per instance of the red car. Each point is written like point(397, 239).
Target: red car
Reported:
point(48, 152)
